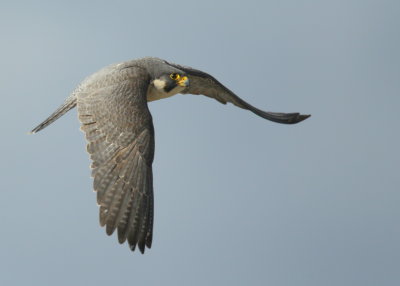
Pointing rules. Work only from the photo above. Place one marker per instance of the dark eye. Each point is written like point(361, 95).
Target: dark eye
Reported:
point(174, 76)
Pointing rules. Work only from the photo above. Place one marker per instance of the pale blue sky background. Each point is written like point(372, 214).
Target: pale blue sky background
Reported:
point(238, 200)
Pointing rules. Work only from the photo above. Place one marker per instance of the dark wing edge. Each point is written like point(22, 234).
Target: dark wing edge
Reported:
point(205, 84)
point(120, 135)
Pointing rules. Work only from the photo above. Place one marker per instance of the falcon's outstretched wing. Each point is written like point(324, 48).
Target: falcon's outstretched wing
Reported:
point(118, 126)
point(205, 84)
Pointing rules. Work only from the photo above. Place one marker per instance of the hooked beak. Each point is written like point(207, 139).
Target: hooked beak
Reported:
point(183, 81)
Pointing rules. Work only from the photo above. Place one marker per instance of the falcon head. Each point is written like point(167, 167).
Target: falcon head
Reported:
point(168, 84)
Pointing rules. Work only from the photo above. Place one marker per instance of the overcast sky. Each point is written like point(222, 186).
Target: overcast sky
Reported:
point(238, 200)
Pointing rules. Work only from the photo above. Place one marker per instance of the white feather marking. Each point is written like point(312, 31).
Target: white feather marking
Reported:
point(159, 84)
point(156, 90)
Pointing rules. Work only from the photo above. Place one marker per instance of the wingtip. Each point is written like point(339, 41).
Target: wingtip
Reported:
point(35, 130)
point(142, 247)
point(284, 118)
point(301, 117)
point(293, 118)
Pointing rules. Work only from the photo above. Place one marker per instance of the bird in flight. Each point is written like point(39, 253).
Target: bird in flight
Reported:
point(113, 111)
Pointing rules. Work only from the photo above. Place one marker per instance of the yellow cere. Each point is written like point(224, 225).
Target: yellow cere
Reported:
point(183, 81)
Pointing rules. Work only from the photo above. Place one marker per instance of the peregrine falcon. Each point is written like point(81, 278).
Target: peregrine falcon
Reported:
point(113, 111)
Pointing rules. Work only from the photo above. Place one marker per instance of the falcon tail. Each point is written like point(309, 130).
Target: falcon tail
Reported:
point(69, 103)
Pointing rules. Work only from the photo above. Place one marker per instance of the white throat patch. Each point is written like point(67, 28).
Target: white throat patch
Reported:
point(156, 90)
point(159, 84)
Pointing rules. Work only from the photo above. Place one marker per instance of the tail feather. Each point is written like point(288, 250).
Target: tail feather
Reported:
point(69, 103)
